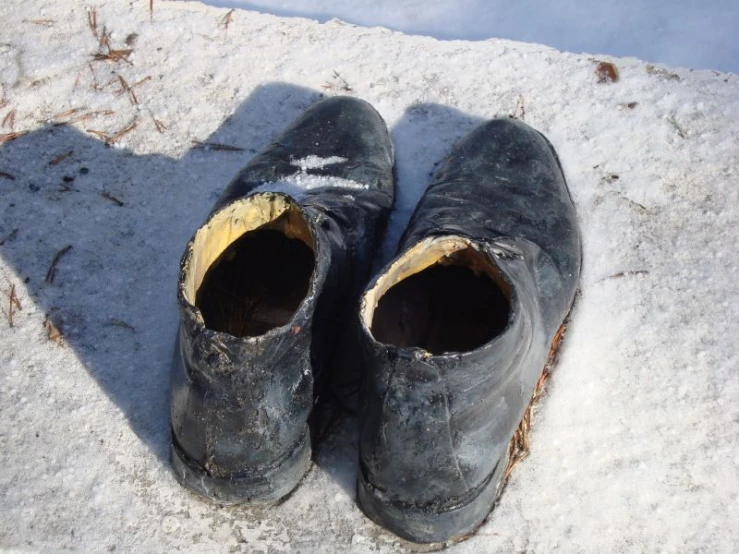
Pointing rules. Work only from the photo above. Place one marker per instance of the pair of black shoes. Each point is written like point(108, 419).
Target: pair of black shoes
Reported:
point(452, 335)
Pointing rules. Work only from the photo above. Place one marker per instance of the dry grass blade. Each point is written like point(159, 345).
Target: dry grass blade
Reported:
point(141, 81)
point(7, 137)
point(104, 41)
point(519, 445)
point(672, 121)
point(10, 237)
point(88, 115)
point(628, 273)
point(520, 111)
point(63, 115)
point(120, 134)
point(113, 56)
point(342, 84)
point(59, 159)
point(112, 198)
point(151, 10)
point(95, 84)
point(216, 146)
point(226, 21)
point(42, 22)
point(125, 88)
point(51, 273)
point(161, 127)
point(115, 137)
point(100, 134)
point(115, 322)
point(53, 332)
point(9, 120)
point(13, 305)
point(92, 21)
point(7, 176)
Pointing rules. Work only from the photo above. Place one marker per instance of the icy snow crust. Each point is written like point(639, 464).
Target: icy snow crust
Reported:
point(634, 447)
point(297, 184)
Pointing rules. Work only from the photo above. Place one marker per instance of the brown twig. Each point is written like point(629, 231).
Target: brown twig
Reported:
point(59, 159)
point(13, 305)
point(9, 120)
point(7, 176)
point(112, 198)
point(7, 137)
point(216, 146)
point(151, 10)
point(51, 273)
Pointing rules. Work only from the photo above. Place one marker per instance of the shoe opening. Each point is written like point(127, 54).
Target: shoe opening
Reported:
point(443, 295)
point(251, 266)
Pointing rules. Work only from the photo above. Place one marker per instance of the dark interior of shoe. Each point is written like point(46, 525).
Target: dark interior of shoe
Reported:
point(444, 308)
point(256, 284)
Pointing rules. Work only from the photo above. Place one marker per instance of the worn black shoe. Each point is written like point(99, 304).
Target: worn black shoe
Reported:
point(457, 330)
point(265, 287)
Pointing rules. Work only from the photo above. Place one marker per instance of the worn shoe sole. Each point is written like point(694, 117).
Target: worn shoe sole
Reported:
point(265, 486)
point(436, 528)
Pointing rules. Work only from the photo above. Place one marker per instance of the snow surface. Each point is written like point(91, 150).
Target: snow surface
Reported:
point(635, 448)
point(683, 33)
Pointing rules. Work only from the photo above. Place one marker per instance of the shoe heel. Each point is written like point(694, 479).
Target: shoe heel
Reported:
point(258, 486)
point(432, 524)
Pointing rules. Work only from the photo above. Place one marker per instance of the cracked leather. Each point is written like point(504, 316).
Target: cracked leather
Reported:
point(433, 428)
point(239, 406)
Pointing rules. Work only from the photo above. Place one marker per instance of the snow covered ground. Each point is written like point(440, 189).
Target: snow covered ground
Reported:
point(684, 33)
point(634, 448)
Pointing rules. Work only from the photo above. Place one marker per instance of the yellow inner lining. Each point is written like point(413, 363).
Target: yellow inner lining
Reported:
point(259, 211)
point(448, 250)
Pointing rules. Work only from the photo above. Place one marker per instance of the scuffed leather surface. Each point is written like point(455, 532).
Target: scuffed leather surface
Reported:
point(433, 428)
point(240, 405)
